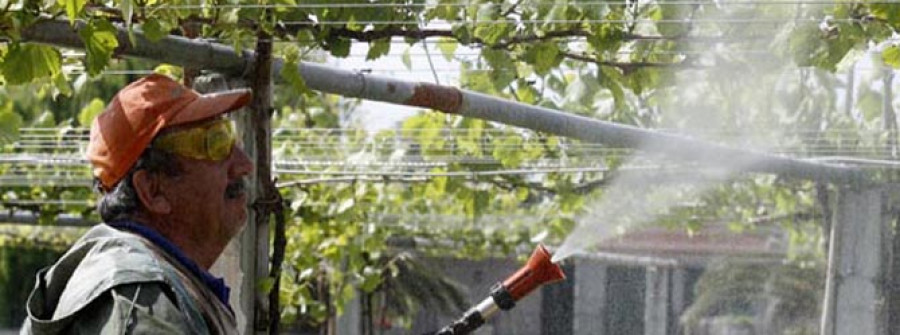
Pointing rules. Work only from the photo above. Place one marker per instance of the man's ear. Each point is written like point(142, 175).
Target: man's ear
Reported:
point(149, 191)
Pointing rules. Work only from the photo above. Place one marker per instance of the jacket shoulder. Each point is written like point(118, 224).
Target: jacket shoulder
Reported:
point(102, 259)
point(137, 308)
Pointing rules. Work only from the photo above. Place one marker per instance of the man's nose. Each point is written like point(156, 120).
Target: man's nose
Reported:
point(240, 163)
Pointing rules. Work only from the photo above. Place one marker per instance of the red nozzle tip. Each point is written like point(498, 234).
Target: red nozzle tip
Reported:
point(539, 270)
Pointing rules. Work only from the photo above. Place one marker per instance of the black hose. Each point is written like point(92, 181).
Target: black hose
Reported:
point(465, 325)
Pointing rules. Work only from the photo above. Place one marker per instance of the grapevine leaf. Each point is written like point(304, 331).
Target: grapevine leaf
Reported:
point(340, 47)
point(891, 56)
point(25, 62)
point(154, 30)
point(127, 8)
point(100, 42)
point(378, 48)
point(10, 122)
point(448, 48)
point(61, 84)
point(90, 111)
point(45, 120)
point(546, 57)
point(290, 70)
point(73, 8)
point(406, 59)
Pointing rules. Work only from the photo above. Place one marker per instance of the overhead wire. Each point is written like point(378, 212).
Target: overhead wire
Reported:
point(591, 21)
point(331, 5)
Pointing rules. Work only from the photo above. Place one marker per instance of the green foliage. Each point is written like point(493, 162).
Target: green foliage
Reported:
point(891, 56)
point(155, 30)
point(23, 251)
point(23, 63)
point(90, 112)
point(18, 265)
point(9, 123)
point(99, 37)
point(290, 71)
point(73, 8)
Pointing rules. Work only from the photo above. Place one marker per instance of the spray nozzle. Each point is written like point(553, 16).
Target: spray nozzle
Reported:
point(539, 270)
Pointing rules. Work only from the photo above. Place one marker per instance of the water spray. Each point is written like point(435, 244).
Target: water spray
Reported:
point(539, 270)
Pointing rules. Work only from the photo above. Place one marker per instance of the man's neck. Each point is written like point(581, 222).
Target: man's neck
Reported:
point(196, 249)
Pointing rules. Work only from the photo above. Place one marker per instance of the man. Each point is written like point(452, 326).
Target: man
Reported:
point(171, 179)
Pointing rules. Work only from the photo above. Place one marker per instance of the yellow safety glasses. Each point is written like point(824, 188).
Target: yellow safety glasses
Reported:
point(212, 141)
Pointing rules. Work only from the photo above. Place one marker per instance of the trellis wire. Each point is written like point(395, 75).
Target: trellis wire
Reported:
point(548, 3)
point(591, 21)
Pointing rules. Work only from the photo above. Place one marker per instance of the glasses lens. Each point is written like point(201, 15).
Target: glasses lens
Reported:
point(220, 140)
point(211, 142)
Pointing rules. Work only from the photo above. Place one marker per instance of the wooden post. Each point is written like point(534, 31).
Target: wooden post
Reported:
point(590, 297)
point(679, 297)
point(261, 129)
point(656, 302)
point(854, 300)
point(892, 267)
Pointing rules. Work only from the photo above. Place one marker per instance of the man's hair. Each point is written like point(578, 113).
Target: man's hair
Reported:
point(122, 202)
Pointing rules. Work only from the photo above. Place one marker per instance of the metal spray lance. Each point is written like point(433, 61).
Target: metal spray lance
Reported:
point(539, 270)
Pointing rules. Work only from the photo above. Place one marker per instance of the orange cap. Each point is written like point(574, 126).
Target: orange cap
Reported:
point(139, 111)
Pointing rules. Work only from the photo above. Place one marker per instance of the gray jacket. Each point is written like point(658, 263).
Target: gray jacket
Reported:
point(115, 282)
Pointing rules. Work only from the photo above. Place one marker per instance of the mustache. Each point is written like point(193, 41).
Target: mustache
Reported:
point(235, 189)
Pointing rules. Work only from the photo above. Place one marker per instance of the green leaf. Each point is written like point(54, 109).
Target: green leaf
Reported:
point(448, 48)
point(546, 57)
point(266, 284)
point(378, 48)
point(45, 120)
point(477, 80)
point(671, 15)
point(340, 47)
point(606, 37)
point(577, 91)
point(462, 33)
point(504, 70)
point(611, 79)
point(888, 12)
point(10, 122)
point(491, 33)
point(99, 37)
point(447, 12)
point(498, 59)
point(508, 151)
point(169, 70)
point(406, 59)
point(527, 94)
point(62, 85)
point(25, 62)
point(90, 111)
point(345, 205)
point(154, 30)
point(891, 56)
point(869, 103)
point(290, 70)
point(557, 13)
point(127, 9)
point(73, 8)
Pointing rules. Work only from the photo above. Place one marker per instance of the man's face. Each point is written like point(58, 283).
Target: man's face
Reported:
point(208, 198)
